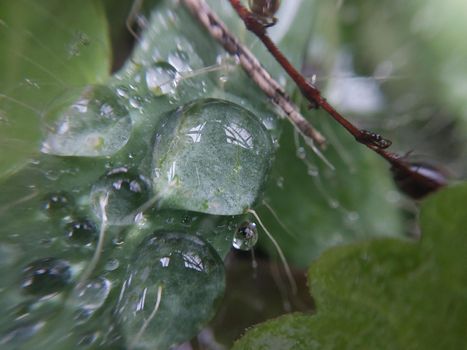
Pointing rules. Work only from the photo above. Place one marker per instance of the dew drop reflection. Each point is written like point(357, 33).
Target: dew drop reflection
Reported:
point(196, 132)
point(192, 277)
point(238, 136)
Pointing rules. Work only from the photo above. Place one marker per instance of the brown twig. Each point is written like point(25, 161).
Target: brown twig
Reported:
point(371, 140)
point(253, 68)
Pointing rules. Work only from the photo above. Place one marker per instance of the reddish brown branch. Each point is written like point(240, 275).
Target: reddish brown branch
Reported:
point(402, 169)
point(371, 140)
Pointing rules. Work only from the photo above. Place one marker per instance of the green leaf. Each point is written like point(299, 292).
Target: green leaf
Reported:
point(385, 294)
point(46, 48)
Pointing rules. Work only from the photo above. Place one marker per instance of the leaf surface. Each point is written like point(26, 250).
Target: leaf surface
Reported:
point(46, 49)
point(385, 294)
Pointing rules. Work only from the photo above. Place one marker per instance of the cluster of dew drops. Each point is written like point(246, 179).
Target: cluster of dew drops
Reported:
point(97, 124)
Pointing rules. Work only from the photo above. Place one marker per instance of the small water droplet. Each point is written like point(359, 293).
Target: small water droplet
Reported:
point(312, 171)
point(46, 276)
point(31, 83)
point(186, 220)
point(122, 91)
point(161, 78)
point(301, 153)
point(58, 203)
point(245, 237)
point(353, 216)
point(180, 60)
point(91, 295)
point(280, 182)
point(136, 102)
point(118, 240)
point(112, 264)
point(126, 191)
point(81, 231)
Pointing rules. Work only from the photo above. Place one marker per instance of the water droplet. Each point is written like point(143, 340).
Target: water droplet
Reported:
point(180, 60)
point(81, 231)
point(301, 153)
point(353, 216)
point(94, 124)
point(245, 237)
point(112, 264)
point(91, 295)
point(46, 276)
point(280, 182)
point(58, 203)
point(187, 220)
point(126, 191)
point(122, 91)
point(161, 78)
point(191, 275)
point(210, 156)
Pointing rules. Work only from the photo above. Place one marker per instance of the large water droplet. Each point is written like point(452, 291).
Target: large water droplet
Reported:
point(95, 124)
point(126, 191)
point(191, 276)
point(46, 276)
point(245, 237)
point(161, 78)
point(210, 156)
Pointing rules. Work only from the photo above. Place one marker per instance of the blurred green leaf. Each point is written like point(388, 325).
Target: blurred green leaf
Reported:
point(321, 207)
point(414, 53)
point(46, 47)
point(385, 294)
